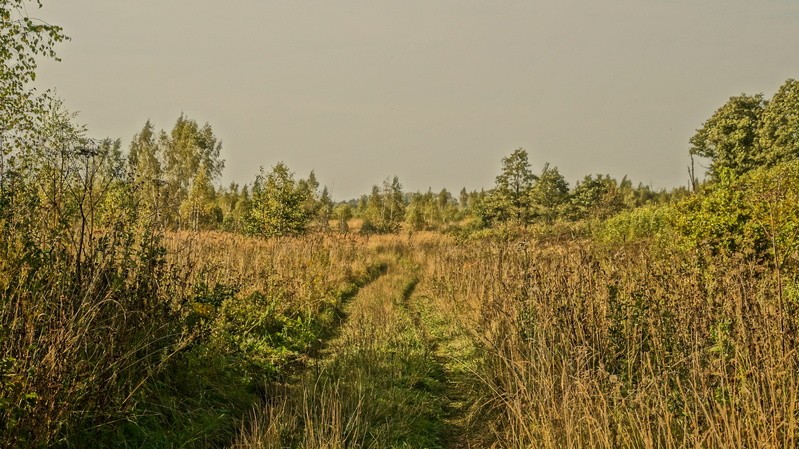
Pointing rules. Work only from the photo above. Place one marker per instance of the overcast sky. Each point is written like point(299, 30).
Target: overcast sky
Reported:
point(436, 92)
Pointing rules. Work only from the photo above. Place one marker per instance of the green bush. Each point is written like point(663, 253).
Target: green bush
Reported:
point(755, 215)
point(645, 223)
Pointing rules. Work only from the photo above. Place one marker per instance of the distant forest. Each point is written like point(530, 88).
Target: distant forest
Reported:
point(171, 177)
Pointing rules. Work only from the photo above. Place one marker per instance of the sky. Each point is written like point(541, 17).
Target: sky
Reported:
point(435, 92)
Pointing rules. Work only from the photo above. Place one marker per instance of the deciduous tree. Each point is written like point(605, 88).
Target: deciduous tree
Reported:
point(509, 201)
point(185, 149)
point(145, 167)
point(549, 194)
point(277, 203)
point(779, 128)
point(729, 137)
point(22, 40)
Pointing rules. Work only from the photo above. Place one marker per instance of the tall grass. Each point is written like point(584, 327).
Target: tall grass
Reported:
point(87, 308)
point(158, 340)
point(377, 384)
point(257, 310)
point(632, 348)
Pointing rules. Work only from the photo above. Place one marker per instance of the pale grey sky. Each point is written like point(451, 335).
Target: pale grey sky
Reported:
point(436, 92)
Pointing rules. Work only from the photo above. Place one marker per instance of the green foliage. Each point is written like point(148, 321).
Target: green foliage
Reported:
point(309, 189)
point(510, 200)
point(102, 338)
point(385, 208)
point(550, 194)
point(237, 210)
point(379, 386)
point(415, 213)
point(773, 196)
point(729, 137)
point(343, 213)
point(597, 196)
point(22, 40)
point(145, 167)
point(779, 129)
point(240, 342)
point(638, 225)
point(748, 132)
point(429, 211)
point(325, 209)
point(584, 337)
point(279, 204)
point(200, 209)
point(87, 307)
point(720, 220)
point(754, 215)
point(186, 150)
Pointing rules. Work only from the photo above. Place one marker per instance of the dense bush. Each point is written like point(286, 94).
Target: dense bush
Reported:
point(89, 308)
point(645, 223)
point(756, 215)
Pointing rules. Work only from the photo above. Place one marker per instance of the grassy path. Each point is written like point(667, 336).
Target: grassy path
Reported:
point(455, 354)
point(392, 378)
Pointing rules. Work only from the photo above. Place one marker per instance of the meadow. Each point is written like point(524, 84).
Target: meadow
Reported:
point(665, 325)
point(557, 336)
point(143, 305)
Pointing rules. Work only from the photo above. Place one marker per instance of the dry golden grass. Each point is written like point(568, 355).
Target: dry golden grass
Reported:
point(83, 355)
point(304, 266)
point(630, 349)
point(557, 345)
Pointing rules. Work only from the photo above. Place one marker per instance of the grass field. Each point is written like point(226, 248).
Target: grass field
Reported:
point(415, 340)
point(525, 344)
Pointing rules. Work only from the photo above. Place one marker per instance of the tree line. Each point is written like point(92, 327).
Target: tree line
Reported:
point(172, 178)
point(173, 175)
